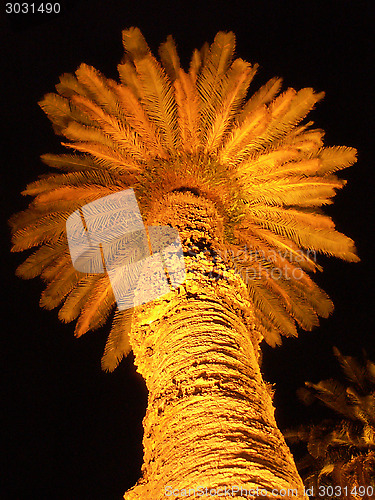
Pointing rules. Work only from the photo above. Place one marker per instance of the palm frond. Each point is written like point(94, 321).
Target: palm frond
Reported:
point(336, 158)
point(40, 259)
point(195, 64)
point(97, 308)
point(287, 111)
point(59, 287)
point(77, 297)
point(293, 191)
point(136, 117)
point(157, 95)
point(215, 64)
point(118, 343)
point(69, 163)
point(355, 373)
point(116, 129)
point(46, 229)
point(310, 231)
point(236, 146)
point(98, 90)
point(107, 157)
point(333, 394)
point(264, 95)
point(187, 101)
point(169, 58)
point(232, 93)
point(129, 78)
point(76, 178)
point(70, 86)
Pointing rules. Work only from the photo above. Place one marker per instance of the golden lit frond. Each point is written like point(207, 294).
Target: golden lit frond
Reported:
point(118, 343)
point(75, 178)
point(107, 157)
point(134, 43)
point(302, 191)
point(117, 130)
point(81, 133)
point(70, 86)
point(70, 163)
point(215, 64)
point(187, 100)
point(157, 91)
point(162, 129)
point(136, 117)
point(236, 147)
point(263, 96)
point(62, 283)
point(233, 90)
point(307, 142)
point(43, 257)
point(287, 110)
point(98, 89)
point(306, 230)
point(195, 64)
point(42, 229)
point(336, 158)
point(97, 307)
point(77, 298)
point(73, 195)
point(262, 240)
point(169, 58)
point(61, 111)
point(129, 78)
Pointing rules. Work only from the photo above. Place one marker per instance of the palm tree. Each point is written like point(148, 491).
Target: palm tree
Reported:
point(242, 180)
point(341, 449)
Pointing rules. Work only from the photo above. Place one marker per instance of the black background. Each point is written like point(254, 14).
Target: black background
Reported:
point(73, 432)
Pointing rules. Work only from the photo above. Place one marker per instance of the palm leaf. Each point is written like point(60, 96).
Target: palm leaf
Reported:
point(116, 129)
point(264, 95)
point(169, 58)
point(70, 163)
point(118, 344)
point(97, 89)
point(215, 64)
point(187, 101)
point(60, 286)
point(98, 307)
point(336, 158)
point(77, 297)
point(352, 369)
point(136, 117)
point(48, 228)
point(87, 177)
point(129, 78)
point(39, 260)
point(236, 146)
point(233, 91)
point(157, 95)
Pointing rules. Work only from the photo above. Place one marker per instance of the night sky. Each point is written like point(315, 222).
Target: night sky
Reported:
point(73, 432)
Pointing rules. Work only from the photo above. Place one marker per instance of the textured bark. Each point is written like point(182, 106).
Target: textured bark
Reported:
point(210, 419)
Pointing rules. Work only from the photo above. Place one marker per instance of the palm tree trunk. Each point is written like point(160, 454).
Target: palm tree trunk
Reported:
point(210, 419)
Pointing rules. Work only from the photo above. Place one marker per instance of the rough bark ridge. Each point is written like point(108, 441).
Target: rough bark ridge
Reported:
point(210, 420)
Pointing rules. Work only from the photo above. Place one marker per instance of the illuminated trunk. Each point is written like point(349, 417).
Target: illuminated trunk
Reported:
point(210, 420)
